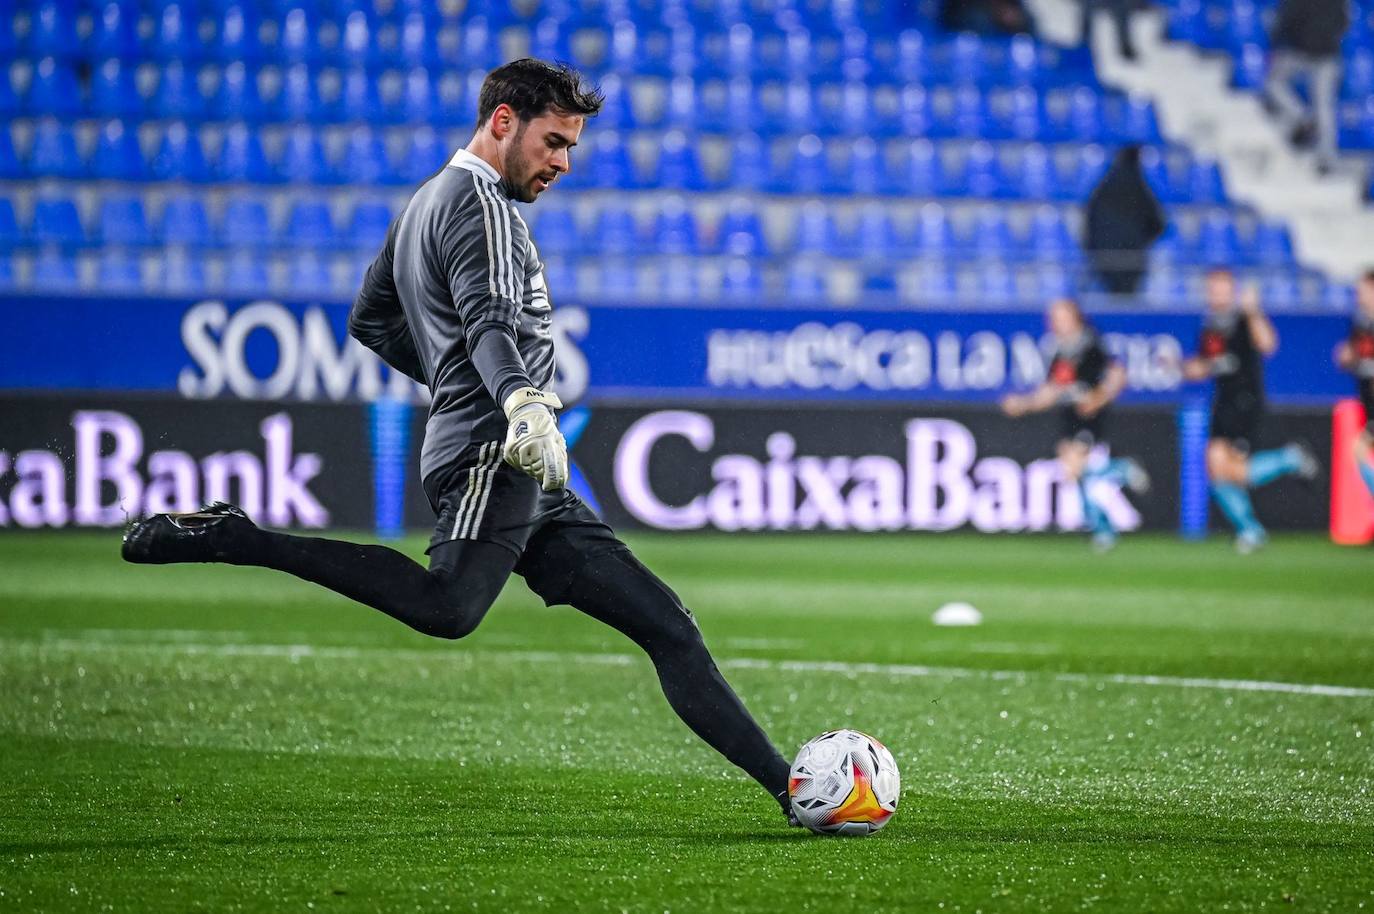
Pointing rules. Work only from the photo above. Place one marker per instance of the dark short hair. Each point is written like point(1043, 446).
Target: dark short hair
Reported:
point(532, 87)
point(1368, 275)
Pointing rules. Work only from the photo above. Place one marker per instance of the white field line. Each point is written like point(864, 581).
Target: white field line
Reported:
point(895, 670)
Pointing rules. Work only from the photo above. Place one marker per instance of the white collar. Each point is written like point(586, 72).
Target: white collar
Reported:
point(464, 159)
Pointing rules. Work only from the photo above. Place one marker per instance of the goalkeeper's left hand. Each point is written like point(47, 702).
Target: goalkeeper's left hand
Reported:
point(534, 445)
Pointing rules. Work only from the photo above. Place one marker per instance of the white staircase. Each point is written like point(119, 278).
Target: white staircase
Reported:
point(1332, 229)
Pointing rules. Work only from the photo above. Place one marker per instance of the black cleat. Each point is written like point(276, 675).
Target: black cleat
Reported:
point(206, 535)
point(785, 801)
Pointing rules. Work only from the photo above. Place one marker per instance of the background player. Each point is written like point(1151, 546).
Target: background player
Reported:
point(456, 299)
point(1236, 338)
point(1356, 355)
point(1082, 380)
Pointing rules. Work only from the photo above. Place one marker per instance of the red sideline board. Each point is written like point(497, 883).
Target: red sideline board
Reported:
point(1352, 507)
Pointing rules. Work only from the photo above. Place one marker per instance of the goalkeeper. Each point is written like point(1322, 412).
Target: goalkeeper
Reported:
point(456, 299)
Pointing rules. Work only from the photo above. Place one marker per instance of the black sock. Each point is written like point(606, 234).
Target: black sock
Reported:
point(446, 600)
point(615, 588)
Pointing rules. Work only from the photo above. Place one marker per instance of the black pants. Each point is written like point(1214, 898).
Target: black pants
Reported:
point(568, 556)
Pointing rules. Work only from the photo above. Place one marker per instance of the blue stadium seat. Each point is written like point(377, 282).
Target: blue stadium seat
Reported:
point(991, 238)
point(417, 102)
point(358, 99)
point(617, 112)
point(52, 30)
point(1023, 116)
point(298, 99)
point(123, 221)
point(741, 281)
point(237, 35)
point(560, 276)
point(368, 225)
point(1090, 165)
point(805, 170)
point(178, 95)
point(865, 168)
point(180, 157)
point(241, 158)
point(418, 45)
point(675, 228)
point(687, 106)
point(1049, 239)
point(1131, 119)
point(968, 117)
point(1216, 240)
point(311, 225)
point(676, 280)
point(1053, 281)
point(740, 232)
point(914, 112)
point(1271, 244)
point(11, 236)
point(364, 160)
point(10, 165)
point(874, 237)
point(303, 160)
point(616, 279)
point(845, 109)
point(983, 172)
point(1279, 289)
point(245, 274)
point(1082, 121)
point(814, 229)
point(56, 222)
point(934, 237)
point(677, 167)
point(804, 280)
point(912, 60)
point(237, 98)
point(175, 36)
point(922, 170)
point(616, 231)
point(118, 271)
point(783, 106)
point(1022, 62)
point(425, 154)
point(557, 230)
point(356, 45)
point(118, 156)
point(1358, 74)
point(246, 224)
point(934, 282)
point(181, 272)
point(1251, 68)
point(996, 284)
point(114, 32)
point(750, 168)
point(55, 271)
point(10, 104)
point(611, 166)
point(54, 90)
point(1204, 182)
point(296, 41)
point(1035, 173)
point(114, 92)
point(184, 219)
point(308, 275)
point(964, 58)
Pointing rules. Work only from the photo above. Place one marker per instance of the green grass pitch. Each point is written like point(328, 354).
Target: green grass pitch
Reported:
point(222, 739)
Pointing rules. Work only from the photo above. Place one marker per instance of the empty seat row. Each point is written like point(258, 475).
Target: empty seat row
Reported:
point(925, 281)
point(804, 165)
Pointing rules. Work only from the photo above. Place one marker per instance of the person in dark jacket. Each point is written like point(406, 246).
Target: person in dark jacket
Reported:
point(1123, 219)
point(1307, 45)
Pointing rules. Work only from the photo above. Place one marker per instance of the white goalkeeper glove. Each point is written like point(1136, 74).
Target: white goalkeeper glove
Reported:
point(534, 445)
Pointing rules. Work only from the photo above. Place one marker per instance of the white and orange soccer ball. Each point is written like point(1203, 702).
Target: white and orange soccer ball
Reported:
point(844, 783)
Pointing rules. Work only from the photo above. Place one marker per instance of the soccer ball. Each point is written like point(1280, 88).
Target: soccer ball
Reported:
point(844, 783)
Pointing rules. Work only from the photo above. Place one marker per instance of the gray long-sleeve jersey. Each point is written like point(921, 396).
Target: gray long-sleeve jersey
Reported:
point(456, 300)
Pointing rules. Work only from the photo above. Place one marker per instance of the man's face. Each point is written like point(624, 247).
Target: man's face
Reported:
point(537, 152)
point(1221, 291)
point(1364, 292)
point(1062, 320)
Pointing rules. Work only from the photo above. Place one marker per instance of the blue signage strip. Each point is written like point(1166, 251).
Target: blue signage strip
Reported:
point(268, 349)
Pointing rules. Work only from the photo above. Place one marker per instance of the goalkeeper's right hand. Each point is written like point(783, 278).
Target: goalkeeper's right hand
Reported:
point(534, 445)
